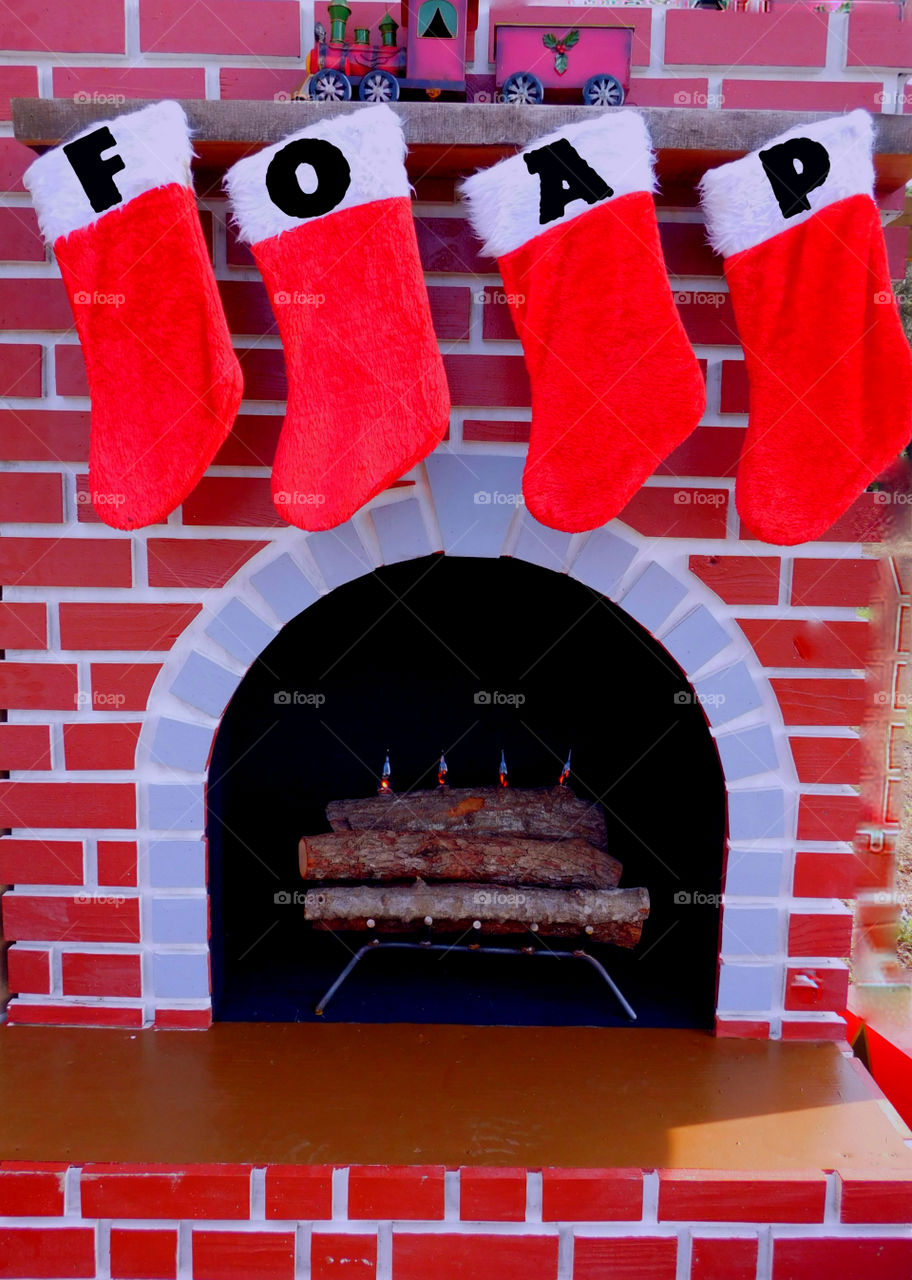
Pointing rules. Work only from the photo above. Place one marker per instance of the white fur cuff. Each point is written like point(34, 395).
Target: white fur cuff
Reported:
point(154, 145)
point(371, 141)
point(504, 200)
point(740, 203)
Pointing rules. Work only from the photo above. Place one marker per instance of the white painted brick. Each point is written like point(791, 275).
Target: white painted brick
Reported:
point(401, 531)
point(754, 874)
point(178, 920)
point(728, 694)
point(285, 588)
point(653, 597)
point(756, 815)
point(340, 555)
point(750, 931)
point(469, 526)
point(696, 639)
point(176, 806)
point(178, 975)
point(204, 684)
point(177, 864)
point(540, 545)
point(825, 1019)
point(746, 988)
point(748, 752)
point(828, 907)
point(240, 631)
point(182, 745)
point(603, 561)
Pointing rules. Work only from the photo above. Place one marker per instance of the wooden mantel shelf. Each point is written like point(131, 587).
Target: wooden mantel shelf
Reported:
point(455, 137)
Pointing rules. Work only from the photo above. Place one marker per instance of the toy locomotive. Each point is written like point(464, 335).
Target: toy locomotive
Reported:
point(530, 59)
point(434, 54)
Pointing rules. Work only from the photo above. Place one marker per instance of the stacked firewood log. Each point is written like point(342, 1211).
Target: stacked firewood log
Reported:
point(502, 860)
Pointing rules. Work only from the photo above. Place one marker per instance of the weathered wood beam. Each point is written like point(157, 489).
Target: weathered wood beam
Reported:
point(453, 137)
point(602, 915)
point(548, 813)
point(442, 855)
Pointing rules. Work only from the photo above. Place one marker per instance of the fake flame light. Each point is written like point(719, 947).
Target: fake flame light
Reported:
point(442, 771)
point(565, 773)
point(503, 780)
point(384, 787)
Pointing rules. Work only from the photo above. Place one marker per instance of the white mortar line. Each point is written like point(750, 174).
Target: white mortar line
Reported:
point(685, 1254)
point(837, 44)
point(451, 1195)
point(303, 1243)
point(657, 41)
point(833, 1200)
point(72, 1192)
point(385, 1251)
point(765, 1253)
point(258, 1194)
point(340, 1194)
point(650, 1196)
point(103, 1250)
point(184, 1250)
point(533, 1196)
point(565, 1243)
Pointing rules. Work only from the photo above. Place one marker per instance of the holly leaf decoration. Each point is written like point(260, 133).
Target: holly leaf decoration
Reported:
point(549, 41)
point(570, 39)
point(560, 63)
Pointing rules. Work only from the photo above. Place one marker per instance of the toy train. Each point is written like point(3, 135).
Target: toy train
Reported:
point(531, 59)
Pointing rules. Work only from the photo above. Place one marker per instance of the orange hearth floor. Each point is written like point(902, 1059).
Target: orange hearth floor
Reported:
point(340, 1094)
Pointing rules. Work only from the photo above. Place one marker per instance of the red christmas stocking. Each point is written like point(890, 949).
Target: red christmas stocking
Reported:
point(615, 385)
point(328, 218)
point(830, 370)
point(117, 205)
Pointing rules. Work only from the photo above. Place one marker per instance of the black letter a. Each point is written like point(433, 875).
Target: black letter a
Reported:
point(564, 176)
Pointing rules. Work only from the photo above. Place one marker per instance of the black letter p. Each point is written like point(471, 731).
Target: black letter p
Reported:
point(791, 185)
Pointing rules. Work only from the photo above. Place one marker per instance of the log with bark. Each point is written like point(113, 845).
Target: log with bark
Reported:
point(613, 915)
point(549, 813)
point(442, 855)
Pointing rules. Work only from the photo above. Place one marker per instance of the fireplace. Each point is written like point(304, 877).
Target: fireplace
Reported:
point(125, 901)
point(764, 658)
point(186, 701)
point(475, 658)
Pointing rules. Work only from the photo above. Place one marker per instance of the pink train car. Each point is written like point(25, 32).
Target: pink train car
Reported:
point(534, 59)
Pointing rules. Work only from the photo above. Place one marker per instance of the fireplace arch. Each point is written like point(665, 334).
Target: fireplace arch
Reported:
point(469, 507)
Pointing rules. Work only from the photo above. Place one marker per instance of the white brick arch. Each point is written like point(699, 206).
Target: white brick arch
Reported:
point(468, 505)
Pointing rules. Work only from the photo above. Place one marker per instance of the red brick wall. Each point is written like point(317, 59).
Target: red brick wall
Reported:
point(90, 615)
point(286, 1221)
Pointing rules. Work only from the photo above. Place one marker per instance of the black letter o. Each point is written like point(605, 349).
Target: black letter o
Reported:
point(333, 178)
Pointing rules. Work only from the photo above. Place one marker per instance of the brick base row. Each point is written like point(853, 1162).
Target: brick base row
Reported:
point(284, 1222)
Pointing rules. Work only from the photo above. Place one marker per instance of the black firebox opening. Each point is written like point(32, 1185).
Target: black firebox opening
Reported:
point(472, 656)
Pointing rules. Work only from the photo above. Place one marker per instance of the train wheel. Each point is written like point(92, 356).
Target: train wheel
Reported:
point(378, 86)
point(523, 86)
point(603, 91)
point(330, 86)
